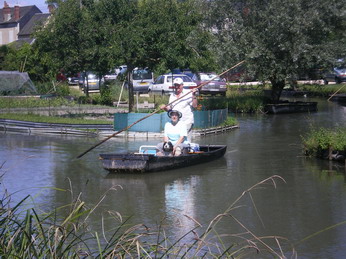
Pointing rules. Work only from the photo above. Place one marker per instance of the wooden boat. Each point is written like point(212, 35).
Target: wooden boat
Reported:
point(290, 107)
point(146, 162)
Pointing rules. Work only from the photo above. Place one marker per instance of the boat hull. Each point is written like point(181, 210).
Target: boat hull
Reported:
point(141, 163)
point(291, 107)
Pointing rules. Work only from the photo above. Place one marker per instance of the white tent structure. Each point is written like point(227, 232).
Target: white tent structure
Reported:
point(16, 83)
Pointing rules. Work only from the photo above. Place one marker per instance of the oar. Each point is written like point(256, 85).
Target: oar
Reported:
point(335, 92)
point(154, 112)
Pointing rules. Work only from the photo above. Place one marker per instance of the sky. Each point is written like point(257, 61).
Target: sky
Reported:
point(39, 3)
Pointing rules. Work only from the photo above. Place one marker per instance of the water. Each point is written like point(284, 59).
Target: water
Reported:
point(310, 199)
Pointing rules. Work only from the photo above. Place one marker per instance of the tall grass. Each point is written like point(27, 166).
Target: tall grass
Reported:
point(319, 141)
point(32, 102)
point(246, 102)
point(323, 90)
point(29, 233)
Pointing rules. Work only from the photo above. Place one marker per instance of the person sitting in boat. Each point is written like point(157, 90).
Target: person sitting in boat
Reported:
point(175, 133)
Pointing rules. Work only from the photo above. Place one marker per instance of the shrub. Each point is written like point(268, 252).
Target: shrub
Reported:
point(319, 140)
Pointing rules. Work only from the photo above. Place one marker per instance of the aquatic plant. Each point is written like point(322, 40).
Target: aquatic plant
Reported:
point(246, 102)
point(65, 233)
point(321, 141)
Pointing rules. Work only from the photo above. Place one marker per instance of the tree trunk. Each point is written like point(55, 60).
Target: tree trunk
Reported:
point(277, 87)
point(86, 87)
point(130, 88)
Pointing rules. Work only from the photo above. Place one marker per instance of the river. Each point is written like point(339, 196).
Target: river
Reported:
point(310, 198)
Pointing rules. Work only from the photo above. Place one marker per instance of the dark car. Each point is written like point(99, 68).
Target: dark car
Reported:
point(73, 79)
point(239, 74)
point(212, 83)
point(337, 75)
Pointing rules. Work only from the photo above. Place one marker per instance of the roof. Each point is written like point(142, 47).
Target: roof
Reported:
point(29, 27)
point(23, 11)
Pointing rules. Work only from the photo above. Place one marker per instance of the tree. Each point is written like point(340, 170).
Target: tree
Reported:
point(98, 35)
point(158, 34)
point(278, 38)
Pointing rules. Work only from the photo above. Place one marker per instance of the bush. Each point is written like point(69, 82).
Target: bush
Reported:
point(319, 140)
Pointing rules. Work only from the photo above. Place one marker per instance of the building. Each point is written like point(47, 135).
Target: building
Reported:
point(18, 23)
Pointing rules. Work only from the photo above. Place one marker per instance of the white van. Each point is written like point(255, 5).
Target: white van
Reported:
point(164, 83)
point(142, 79)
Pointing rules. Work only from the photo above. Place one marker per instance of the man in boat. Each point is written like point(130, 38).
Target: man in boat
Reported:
point(184, 105)
point(175, 133)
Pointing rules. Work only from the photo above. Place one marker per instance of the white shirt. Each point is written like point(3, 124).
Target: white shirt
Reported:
point(184, 105)
point(174, 132)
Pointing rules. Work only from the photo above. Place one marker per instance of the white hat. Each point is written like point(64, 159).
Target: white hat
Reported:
point(178, 81)
point(170, 112)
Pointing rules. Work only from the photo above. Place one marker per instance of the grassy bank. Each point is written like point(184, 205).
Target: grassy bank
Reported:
point(323, 90)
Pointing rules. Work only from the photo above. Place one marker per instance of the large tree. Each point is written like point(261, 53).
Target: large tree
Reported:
point(98, 35)
point(278, 38)
point(159, 34)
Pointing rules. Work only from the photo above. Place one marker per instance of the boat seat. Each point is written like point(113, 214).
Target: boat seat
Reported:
point(147, 149)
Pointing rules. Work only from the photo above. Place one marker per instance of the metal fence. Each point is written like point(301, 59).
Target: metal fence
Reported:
point(156, 123)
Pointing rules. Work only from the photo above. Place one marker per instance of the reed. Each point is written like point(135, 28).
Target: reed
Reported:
point(320, 140)
point(65, 233)
point(246, 102)
point(322, 90)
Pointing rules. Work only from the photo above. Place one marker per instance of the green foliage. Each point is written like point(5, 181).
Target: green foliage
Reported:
point(212, 103)
point(34, 102)
point(158, 100)
point(322, 90)
point(278, 38)
point(246, 102)
point(230, 121)
point(318, 140)
point(99, 35)
point(27, 59)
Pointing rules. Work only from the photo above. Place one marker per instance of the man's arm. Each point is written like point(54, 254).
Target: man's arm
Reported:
point(194, 98)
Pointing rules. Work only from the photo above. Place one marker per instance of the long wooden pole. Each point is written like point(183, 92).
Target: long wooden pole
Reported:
point(156, 111)
point(335, 92)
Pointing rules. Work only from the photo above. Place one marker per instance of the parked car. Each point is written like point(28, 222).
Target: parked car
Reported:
point(164, 83)
point(239, 74)
point(73, 80)
point(337, 75)
point(91, 79)
point(111, 75)
point(121, 69)
point(213, 84)
point(142, 79)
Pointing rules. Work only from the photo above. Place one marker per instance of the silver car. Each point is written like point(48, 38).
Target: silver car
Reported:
point(90, 79)
point(164, 83)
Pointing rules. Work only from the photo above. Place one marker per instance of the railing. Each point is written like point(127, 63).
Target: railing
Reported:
point(156, 123)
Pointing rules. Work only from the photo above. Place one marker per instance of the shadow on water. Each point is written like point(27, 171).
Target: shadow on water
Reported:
point(326, 170)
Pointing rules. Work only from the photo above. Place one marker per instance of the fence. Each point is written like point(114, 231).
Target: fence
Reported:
point(156, 123)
